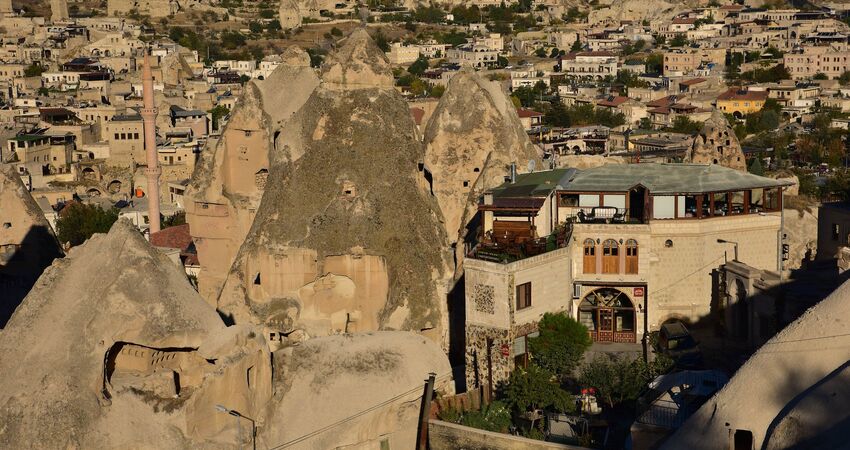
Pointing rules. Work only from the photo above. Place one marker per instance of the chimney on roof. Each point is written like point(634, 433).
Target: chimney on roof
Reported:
point(513, 173)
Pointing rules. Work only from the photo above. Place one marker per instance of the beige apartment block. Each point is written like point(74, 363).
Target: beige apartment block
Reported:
point(817, 59)
point(684, 62)
point(126, 136)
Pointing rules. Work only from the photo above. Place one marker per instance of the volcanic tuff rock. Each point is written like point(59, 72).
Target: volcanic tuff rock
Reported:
point(93, 349)
point(341, 376)
point(358, 64)
point(792, 393)
point(346, 237)
point(114, 349)
point(290, 14)
point(230, 178)
point(22, 225)
point(471, 140)
point(716, 143)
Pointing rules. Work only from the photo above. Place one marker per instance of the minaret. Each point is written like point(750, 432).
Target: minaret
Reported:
point(153, 171)
point(59, 11)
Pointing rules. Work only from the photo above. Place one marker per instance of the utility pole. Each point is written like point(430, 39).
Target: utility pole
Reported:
point(425, 412)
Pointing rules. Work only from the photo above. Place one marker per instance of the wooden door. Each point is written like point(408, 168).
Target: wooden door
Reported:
point(606, 325)
point(631, 256)
point(610, 257)
point(589, 262)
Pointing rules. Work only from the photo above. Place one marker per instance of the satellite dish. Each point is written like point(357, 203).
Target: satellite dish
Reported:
point(531, 165)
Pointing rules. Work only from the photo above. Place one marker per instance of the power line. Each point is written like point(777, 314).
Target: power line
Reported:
point(353, 416)
point(687, 276)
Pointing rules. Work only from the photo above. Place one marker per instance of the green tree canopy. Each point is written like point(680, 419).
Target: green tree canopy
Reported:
point(621, 379)
point(560, 345)
point(419, 66)
point(80, 221)
point(535, 388)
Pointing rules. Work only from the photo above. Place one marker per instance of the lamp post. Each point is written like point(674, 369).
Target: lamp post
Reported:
point(237, 415)
point(724, 241)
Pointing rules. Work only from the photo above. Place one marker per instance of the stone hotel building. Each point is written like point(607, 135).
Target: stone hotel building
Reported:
point(621, 248)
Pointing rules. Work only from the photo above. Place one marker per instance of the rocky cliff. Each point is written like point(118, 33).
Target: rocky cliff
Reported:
point(471, 140)
point(346, 237)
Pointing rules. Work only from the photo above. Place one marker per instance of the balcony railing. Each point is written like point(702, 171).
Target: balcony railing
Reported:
point(510, 248)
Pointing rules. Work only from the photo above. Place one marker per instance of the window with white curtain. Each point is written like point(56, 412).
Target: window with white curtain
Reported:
point(664, 207)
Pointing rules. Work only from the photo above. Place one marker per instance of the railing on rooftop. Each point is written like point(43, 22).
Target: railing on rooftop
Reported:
point(510, 248)
point(599, 214)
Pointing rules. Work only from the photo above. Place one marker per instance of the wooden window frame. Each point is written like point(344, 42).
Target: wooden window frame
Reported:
point(523, 301)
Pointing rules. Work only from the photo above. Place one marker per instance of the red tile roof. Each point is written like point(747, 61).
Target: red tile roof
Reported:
point(172, 237)
point(613, 101)
point(528, 112)
point(664, 101)
point(692, 81)
point(684, 21)
point(418, 114)
point(177, 237)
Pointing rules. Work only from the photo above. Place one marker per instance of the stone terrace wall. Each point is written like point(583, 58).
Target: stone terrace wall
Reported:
point(448, 436)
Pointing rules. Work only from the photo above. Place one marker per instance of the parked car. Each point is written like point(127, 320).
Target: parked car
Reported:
point(675, 341)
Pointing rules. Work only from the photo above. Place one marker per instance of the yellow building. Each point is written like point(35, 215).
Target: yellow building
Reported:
point(740, 102)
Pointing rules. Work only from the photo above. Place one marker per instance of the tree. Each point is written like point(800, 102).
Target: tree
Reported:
point(34, 70)
point(336, 32)
point(560, 345)
point(554, 53)
point(620, 379)
point(684, 125)
point(255, 27)
point(755, 167)
point(502, 62)
point(217, 114)
point(419, 66)
point(576, 46)
point(535, 388)
point(679, 40)
point(80, 221)
point(382, 41)
point(820, 76)
point(178, 218)
point(540, 52)
point(654, 63)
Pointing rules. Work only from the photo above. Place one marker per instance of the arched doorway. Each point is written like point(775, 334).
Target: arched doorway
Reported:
point(609, 315)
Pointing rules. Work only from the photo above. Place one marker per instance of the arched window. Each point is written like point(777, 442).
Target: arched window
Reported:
point(589, 256)
point(610, 256)
point(631, 256)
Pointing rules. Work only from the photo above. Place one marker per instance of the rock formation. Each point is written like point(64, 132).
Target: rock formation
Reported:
point(59, 10)
point(114, 347)
point(716, 143)
point(346, 237)
point(337, 377)
point(613, 11)
point(471, 140)
point(792, 393)
point(289, 14)
point(587, 161)
point(153, 8)
point(231, 177)
point(27, 243)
